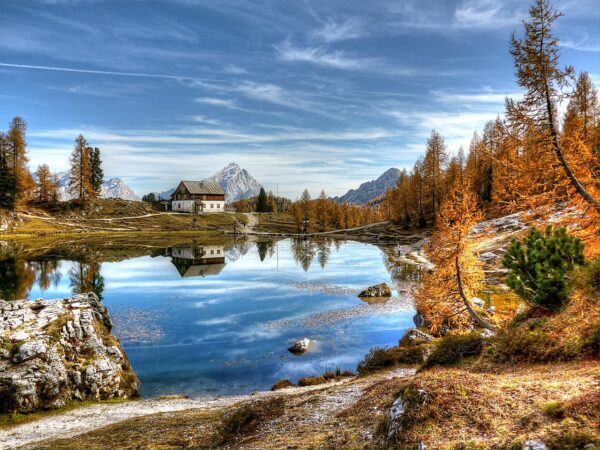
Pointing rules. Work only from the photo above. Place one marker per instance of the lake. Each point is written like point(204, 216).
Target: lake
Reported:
point(203, 319)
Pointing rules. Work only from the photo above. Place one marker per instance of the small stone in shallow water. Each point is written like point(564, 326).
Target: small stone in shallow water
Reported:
point(300, 346)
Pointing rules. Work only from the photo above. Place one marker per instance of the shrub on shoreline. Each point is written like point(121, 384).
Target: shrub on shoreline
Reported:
point(453, 348)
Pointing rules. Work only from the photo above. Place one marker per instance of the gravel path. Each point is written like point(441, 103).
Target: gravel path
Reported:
point(89, 418)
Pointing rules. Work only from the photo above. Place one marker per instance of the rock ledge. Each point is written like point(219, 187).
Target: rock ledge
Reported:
point(55, 351)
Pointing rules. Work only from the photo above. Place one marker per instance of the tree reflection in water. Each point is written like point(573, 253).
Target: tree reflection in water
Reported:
point(85, 277)
point(18, 276)
point(305, 250)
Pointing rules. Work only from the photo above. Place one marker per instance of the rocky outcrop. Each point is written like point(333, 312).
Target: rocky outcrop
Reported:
point(408, 399)
point(379, 290)
point(55, 351)
point(416, 335)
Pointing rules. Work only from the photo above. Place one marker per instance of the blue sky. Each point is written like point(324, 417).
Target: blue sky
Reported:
point(304, 93)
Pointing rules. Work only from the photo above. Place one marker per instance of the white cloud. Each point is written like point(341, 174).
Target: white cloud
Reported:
point(322, 57)
point(471, 14)
point(457, 128)
point(583, 45)
point(234, 69)
point(467, 98)
point(225, 103)
point(333, 31)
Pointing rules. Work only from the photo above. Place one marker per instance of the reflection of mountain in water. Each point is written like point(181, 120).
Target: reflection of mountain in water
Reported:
point(197, 260)
point(236, 251)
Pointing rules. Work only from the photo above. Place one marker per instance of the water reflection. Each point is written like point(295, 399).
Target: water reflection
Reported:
point(18, 276)
point(197, 260)
point(199, 318)
point(305, 251)
point(85, 276)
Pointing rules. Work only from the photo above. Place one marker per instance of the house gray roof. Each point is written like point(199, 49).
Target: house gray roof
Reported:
point(203, 187)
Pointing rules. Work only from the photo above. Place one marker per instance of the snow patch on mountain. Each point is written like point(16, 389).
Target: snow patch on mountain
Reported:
point(236, 182)
point(371, 189)
point(111, 188)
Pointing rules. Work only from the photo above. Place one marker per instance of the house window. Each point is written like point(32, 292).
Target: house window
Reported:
point(218, 252)
point(212, 206)
point(212, 252)
point(218, 205)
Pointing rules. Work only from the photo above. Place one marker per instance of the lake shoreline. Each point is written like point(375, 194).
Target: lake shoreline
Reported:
point(88, 418)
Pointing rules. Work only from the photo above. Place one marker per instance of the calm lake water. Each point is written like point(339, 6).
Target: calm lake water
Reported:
point(209, 320)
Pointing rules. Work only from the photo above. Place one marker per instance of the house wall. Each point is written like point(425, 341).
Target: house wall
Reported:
point(209, 206)
point(214, 205)
point(182, 205)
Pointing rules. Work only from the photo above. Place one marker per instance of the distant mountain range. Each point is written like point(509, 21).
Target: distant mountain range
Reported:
point(371, 189)
point(111, 188)
point(235, 181)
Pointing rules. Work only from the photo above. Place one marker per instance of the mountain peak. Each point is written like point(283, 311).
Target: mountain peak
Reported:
point(111, 188)
point(236, 182)
point(370, 190)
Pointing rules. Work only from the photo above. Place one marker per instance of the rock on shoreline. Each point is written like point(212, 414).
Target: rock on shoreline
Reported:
point(56, 351)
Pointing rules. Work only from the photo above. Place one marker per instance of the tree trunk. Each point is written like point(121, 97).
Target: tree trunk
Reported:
point(561, 157)
point(478, 319)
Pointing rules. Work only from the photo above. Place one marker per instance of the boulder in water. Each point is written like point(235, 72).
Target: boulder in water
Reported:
point(300, 347)
point(379, 290)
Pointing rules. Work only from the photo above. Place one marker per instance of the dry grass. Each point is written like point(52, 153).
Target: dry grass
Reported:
point(556, 403)
point(498, 410)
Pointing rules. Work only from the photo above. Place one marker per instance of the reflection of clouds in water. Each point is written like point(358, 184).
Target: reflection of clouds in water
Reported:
point(295, 369)
point(192, 286)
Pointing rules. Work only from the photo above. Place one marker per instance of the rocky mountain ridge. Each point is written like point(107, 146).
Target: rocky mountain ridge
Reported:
point(111, 188)
point(370, 190)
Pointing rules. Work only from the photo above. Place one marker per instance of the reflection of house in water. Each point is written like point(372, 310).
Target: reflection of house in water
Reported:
point(198, 260)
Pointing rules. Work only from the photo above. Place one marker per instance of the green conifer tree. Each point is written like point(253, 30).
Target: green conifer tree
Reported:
point(539, 265)
point(97, 176)
point(262, 204)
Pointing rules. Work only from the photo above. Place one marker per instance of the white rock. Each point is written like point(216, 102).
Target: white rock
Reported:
point(478, 301)
point(398, 408)
point(487, 333)
point(534, 444)
point(488, 256)
point(19, 335)
point(29, 350)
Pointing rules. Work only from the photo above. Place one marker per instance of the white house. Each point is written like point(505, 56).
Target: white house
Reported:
point(198, 197)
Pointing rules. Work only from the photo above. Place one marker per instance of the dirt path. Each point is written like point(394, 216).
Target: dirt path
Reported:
point(251, 222)
point(330, 398)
